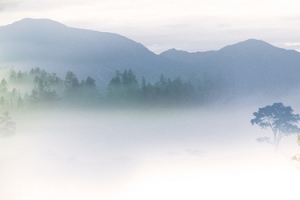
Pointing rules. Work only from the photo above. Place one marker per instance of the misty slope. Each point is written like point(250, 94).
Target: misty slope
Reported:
point(57, 48)
point(254, 65)
point(247, 68)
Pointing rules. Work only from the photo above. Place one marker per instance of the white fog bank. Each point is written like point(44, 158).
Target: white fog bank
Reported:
point(144, 154)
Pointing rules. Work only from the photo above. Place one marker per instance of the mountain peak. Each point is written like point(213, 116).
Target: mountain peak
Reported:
point(30, 23)
point(255, 42)
point(249, 45)
point(252, 40)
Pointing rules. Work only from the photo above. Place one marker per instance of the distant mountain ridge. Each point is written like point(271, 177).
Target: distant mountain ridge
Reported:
point(47, 44)
point(253, 64)
point(247, 67)
point(244, 48)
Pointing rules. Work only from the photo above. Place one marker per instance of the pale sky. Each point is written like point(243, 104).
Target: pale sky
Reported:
point(191, 25)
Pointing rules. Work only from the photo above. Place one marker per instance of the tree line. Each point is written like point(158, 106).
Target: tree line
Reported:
point(38, 87)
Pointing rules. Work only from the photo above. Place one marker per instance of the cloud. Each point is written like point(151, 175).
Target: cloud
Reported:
point(289, 45)
point(188, 25)
point(195, 152)
point(4, 4)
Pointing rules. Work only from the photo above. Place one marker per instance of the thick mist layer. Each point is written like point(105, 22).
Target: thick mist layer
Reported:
point(176, 153)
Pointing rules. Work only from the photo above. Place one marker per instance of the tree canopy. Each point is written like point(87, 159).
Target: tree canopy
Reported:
point(279, 118)
point(22, 90)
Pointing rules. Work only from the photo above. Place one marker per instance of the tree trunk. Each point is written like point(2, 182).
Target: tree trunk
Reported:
point(276, 146)
point(276, 141)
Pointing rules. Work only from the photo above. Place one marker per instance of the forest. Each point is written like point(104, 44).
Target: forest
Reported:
point(38, 88)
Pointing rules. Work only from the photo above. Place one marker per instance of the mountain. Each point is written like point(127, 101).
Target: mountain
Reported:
point(252, 65)
point(53, 46)
point(246, 68)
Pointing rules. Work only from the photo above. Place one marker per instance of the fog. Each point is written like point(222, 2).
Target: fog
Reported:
point(146, 153)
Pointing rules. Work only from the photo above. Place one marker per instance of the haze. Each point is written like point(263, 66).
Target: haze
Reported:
point(130, 153)
point(103, 132)
point(162, 25)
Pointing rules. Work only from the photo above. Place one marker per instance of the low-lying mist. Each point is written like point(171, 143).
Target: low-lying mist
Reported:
point(145, 153)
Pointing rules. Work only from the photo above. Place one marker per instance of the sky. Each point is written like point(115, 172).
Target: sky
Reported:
point(190, 25)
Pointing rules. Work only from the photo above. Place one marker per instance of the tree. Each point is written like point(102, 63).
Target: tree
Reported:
point(9, 126)
point(71, 80)
point(43, 93)
point(114, 88)
point(13, 75)
point(71, 86)
point(90, 82)
point(88, 91)
point(128, 78)
point(123, 88)
point(280, 119)
point(131, 89)
point(3, 86)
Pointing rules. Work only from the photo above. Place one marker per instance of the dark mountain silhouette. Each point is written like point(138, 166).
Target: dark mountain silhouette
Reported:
point(248, 67)
point(48, 44)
